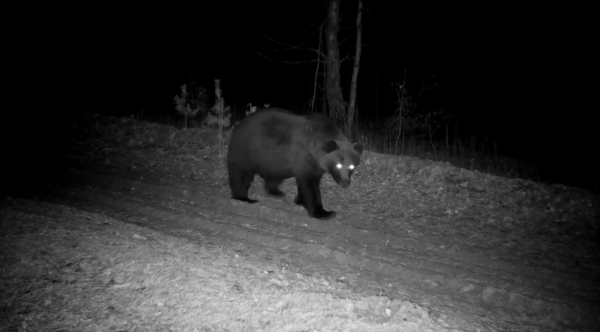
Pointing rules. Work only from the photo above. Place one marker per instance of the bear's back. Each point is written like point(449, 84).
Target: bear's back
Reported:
point(322, 129)
point(268, 142)
point(273, 125)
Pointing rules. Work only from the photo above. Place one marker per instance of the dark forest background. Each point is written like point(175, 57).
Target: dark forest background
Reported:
point(508, 89)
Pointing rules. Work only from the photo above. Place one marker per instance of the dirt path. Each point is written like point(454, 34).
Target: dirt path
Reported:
point(462, 284)
point(481, 252)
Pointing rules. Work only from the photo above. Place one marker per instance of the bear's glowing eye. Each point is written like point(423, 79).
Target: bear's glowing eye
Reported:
point(339, 166)
point(351, 166)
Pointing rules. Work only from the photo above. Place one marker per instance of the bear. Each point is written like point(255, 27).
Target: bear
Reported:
point(278, 144)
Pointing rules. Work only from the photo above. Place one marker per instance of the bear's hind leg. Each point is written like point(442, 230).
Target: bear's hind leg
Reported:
point(299, 200)
point(309, 195)
point(239, 182)
point(272, 187)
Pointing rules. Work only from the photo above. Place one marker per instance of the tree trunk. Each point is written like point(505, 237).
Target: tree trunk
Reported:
point(335, 99)
point(316, 82)
point(377, 91)
point(352, 104)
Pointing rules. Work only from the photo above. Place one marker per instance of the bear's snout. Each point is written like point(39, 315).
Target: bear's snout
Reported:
point(344, 183)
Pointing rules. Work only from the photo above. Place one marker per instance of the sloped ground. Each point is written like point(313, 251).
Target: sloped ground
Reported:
point(66, 269)
point(479, 252)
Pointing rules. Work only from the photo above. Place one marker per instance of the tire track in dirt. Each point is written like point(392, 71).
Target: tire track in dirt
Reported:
point(420, 265)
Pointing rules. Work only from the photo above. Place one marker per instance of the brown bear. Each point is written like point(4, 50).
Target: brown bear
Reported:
point(277, 145)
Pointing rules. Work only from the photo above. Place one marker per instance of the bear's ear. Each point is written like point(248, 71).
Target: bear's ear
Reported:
point(329, 146)
point(358, 147)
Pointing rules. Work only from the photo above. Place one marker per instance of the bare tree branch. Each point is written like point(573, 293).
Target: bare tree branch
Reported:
point(309, 24)
point(287, 46)
point(347, 57)
point(290, 47)
point(283, 61)
point(344, 40)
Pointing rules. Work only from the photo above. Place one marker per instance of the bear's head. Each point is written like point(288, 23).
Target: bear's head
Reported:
point(340, 160)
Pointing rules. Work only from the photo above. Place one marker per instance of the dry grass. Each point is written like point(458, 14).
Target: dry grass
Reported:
point(472, 154)
point(64, 269)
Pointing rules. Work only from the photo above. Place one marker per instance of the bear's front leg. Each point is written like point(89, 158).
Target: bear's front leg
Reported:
point(309, 195)
point(239, 182)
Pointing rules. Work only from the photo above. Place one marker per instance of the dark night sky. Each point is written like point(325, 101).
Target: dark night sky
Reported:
point(526, 72)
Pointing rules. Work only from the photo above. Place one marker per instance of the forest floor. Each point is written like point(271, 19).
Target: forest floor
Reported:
point(139, 233)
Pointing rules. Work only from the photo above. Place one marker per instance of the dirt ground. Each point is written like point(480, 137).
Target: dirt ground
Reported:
point(478, 252)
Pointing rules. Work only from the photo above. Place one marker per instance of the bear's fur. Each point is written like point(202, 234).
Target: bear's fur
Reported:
point(277, 145)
